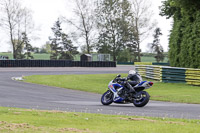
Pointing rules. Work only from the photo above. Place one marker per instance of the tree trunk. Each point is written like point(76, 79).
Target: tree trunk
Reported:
point(88, 45)
point(138, 40)
point(138, 49)
point(13, 43)
point(86, 33)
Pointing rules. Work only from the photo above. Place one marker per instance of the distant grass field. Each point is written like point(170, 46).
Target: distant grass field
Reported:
point(170, 92)
point(41, 56)
point(14, 120)
point(7, 54)
point(36, 56)
point(77, 57)
point(152, 59)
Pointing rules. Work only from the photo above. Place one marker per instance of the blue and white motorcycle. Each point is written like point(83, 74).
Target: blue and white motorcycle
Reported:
point(127, 90)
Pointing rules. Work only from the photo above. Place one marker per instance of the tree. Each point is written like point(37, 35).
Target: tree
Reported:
point(83, 49)
point(114, 22)
point(27, 47)
point(46, 48)
point(102, 45)
point(68, 50)
point(36, 49)
point(124, 56)
point(184, 44)
point(84, 22)
point(132, 48)
point(56, 40)
point(19, 49)
point(142, 21)
point(15, 20)
point(156, 45)
point(61, 45)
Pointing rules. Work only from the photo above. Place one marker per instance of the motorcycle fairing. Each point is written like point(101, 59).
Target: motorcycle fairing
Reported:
point(116, 97)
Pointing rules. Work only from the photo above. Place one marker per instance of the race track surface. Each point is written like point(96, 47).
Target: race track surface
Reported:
point(32, 96)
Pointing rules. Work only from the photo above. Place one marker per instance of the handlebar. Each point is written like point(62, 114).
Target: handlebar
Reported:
point(118, 79)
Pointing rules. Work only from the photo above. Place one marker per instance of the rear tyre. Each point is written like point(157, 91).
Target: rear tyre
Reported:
point(142, 99)
point(107, 98)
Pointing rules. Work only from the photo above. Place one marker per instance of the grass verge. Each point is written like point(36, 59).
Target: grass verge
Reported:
point(23, 120)
point(45, 56)
point(171, 92)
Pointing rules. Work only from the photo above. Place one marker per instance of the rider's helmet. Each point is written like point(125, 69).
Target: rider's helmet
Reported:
point(134, 76)
point(132, 72)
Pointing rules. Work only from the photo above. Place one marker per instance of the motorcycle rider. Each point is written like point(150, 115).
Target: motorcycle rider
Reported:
point(129, 89)
point(134, 79)
point(130, 81)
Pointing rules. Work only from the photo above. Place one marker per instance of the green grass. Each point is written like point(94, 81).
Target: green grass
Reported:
point(77, 57)
point(171, 92)
point(36, 56)
point(175, 92)
point(7, 54)
point(152, 59)
point(31, 121)
point(41, 56)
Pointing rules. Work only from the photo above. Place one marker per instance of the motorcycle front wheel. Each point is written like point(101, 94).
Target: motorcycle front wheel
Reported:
point(107, 98)
point(142, 99)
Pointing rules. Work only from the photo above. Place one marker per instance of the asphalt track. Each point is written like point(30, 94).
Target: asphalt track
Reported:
point(32, 96)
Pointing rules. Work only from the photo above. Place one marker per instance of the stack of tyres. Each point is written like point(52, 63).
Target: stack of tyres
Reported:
point(95, 64)
point(55, 63)
point(173, 75)
point(74, 63)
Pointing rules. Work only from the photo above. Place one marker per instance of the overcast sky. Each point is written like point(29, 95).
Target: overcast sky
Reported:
point(46, 12)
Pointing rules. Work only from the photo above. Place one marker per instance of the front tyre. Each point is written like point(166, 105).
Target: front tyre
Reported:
point(107, 98)
point(142, 99)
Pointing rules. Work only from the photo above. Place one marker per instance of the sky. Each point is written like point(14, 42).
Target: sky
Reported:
point(46, 12)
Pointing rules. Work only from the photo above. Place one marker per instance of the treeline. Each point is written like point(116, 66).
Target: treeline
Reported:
point(115, 27)
point(184, 45)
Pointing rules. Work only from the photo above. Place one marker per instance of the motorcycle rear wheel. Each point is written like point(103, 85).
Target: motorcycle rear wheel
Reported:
point(143, 100)
point(107, 98)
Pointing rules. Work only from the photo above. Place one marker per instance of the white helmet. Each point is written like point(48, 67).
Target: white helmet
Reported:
point(132, 72)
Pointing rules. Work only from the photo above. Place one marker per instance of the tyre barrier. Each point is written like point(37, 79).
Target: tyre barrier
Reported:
point(170, 74)
point(55, 63)
point(125, 63)
point(193, 76)
point(149, 71)
point(151, 63)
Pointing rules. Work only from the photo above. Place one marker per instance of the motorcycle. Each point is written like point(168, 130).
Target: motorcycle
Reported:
point(119, 91)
